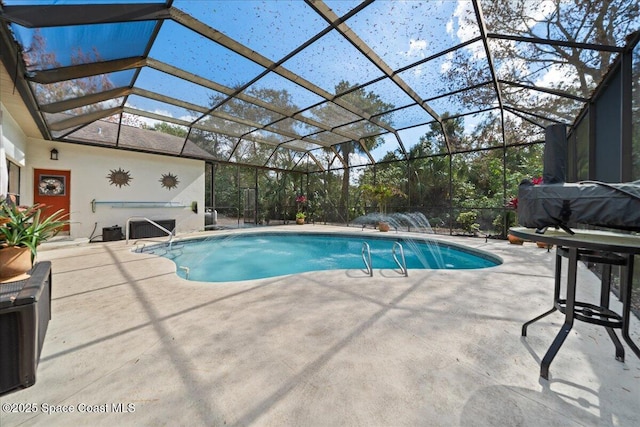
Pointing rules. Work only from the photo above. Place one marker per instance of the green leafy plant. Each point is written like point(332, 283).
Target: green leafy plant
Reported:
point(467, 221)
point(301, 200)
point(26, 226)
point(380, 194)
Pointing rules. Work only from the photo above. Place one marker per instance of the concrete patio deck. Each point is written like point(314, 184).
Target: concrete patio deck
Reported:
point(336, 348)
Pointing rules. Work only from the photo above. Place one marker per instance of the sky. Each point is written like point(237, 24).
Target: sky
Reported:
point(274, 28)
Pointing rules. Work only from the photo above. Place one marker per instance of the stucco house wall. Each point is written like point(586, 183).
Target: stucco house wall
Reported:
point(14, 139)
point(96, 202)
point(90, 167)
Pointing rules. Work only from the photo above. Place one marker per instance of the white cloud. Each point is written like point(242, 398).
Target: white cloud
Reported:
point(559, 73)
point(152, 122)
point(417, 70)
point(147, 121)
point(358, 159)
point(163, 113)
point(537, 12)
point(446, 65)
point(188, 118)
point(416, 51)
point(417, 48)
point(467, 26)
point(553, 75)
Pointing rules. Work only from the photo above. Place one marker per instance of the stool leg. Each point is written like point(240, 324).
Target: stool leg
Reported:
point(622, 288)
point(569, 315)
point(556, 296)
point(545, 314)
point(556, 289)
point(627, 282)
point(617, 344)
point(605, 289)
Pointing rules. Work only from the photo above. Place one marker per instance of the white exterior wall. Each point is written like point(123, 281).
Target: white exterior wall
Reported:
point(90, 167)
point(15, 141)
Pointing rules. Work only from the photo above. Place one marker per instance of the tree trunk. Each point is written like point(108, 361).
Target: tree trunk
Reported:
point(344, 194)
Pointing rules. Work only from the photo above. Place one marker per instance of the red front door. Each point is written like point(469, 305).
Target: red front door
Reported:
point(52, 187)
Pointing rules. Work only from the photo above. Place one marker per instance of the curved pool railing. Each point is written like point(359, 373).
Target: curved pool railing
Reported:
point(403, 265)
point(186, 271)
point(367, 259)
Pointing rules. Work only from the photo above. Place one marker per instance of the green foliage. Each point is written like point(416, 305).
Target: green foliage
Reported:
point(380, 194)
point(422, 183)
point(26, 225)
point(364, 101)
point(467, 221)
point(170, 129)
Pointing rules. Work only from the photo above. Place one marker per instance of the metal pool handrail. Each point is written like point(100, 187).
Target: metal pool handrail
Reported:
point(365, 247)
point(403, 266)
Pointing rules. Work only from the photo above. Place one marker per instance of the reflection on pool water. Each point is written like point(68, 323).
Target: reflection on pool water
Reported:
point(259, 255)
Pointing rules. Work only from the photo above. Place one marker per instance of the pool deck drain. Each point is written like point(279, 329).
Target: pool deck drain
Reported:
point(437, 348)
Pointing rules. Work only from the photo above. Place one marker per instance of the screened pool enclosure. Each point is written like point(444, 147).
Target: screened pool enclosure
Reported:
point(440, 105)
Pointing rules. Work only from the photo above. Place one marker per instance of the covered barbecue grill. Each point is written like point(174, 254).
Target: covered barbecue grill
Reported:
point(556, 203)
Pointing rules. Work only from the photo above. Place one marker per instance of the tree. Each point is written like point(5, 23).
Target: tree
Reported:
point(225, 139)
point(170, 129)
point(37, 57)
point(364, 101)
point(601, 22)
point(384, 183)
point(432, 173)
point(260, 147)
point(575, 70)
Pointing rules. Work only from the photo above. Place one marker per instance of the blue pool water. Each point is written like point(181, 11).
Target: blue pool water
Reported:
point(254, 256)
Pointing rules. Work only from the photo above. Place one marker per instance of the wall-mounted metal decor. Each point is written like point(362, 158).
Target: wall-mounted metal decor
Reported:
point(119, 177)
point(169, 181)
point(52, 185)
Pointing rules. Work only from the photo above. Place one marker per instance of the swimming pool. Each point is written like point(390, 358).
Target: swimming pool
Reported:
point(248, 256)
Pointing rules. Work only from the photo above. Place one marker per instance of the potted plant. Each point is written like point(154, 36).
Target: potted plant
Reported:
point(300, 215)
point(22, 229)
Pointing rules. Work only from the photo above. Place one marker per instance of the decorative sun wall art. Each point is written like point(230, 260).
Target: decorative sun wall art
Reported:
point(119, 177)
point(169, 181)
